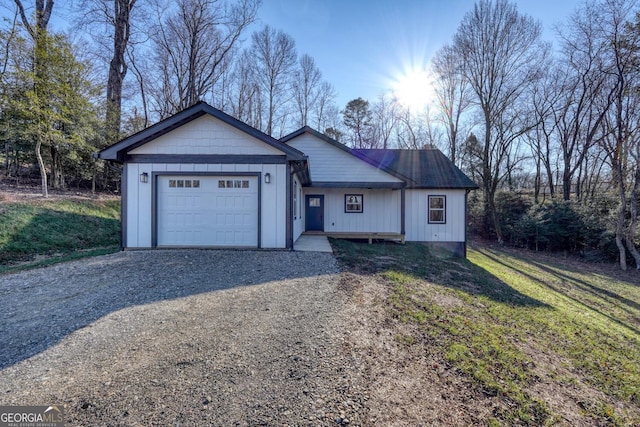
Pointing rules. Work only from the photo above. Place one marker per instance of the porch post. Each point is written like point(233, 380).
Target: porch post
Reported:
point(288, 204)
point(402, 212)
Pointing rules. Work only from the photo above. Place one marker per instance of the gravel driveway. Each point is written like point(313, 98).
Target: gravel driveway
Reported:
point(193, 337)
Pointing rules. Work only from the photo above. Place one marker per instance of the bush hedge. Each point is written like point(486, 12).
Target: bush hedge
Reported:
point(574, 227)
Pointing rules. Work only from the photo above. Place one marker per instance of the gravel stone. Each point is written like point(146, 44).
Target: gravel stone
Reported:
point(182, 337)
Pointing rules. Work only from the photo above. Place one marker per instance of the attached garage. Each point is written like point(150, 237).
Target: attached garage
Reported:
point(208, 211)
point(201, 178)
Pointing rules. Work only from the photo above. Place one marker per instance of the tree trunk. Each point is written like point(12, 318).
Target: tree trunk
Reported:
point(117, 68)
point(631, 230)
point(620, 234)
point(57, 180)
point(536, 182)
point(43, 171)
point(566, 183)
point(490, 182)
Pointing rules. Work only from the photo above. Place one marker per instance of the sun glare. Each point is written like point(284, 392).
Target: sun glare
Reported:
point(414, 89)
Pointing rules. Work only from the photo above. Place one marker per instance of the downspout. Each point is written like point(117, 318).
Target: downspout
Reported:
point(289, 216)
point(466, 222)
point(403, 212)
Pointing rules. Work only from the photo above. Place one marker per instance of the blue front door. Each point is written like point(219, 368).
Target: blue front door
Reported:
point(314, 213)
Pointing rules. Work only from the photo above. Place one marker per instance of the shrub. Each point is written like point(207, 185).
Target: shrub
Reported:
point(511, 207)
point(555, 226)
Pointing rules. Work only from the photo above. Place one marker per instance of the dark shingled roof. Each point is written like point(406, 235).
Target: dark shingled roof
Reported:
point(427, 168)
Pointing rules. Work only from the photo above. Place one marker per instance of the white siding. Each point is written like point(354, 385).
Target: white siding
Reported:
point(139, 204)
point(331, 164)
point(206, 135)
point(380, 210)
point(298, 220)
point(417, 225)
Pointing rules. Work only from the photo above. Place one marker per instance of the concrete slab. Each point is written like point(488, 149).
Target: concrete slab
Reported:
point(308, 243)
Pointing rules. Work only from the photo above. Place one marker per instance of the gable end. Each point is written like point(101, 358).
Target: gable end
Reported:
point(118, 151)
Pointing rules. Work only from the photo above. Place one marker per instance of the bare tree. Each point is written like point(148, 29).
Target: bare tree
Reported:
point(191, 46)
point(324, 106)
point(274, 57)
point(386, 114)
point(244, 95)
point(547, 98)
point(42, 15)
point(622, 123)
point(585, 95)
point(452, 91)
point(333, 125)
point(139, 75)
point(503, 54)
point(411, 132)
point(307, 82)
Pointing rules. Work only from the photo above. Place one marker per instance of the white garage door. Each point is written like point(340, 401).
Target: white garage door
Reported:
point(207, 211)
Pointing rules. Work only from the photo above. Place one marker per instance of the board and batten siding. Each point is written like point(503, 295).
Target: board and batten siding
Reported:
point(417, 224)
point(138, 226)
point(206, 135)
point(380, 210)
point(331, 164)
point(298, 221)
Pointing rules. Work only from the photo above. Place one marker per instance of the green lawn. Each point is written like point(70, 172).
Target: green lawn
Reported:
point(46, 231)
point(511, 320)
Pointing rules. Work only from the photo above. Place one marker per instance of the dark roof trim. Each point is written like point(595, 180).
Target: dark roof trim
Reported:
point(329, 140)
point(325, 138)
point(118, 150)
point(348, 184)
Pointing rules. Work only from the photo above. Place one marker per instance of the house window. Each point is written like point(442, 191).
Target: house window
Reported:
point(353, 203)
point(437, 209)
point(314, 202)
point(172, 183)
point(196, 183)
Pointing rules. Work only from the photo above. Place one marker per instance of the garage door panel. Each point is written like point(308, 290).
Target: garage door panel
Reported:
point(207, 211)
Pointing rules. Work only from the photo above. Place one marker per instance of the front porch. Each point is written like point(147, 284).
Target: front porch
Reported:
point(370, 236)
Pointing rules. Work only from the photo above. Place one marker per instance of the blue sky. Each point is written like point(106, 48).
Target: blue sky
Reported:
point(362, 47)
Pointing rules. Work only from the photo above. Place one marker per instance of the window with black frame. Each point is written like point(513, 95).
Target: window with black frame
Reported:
point(437, 209)
point(353, 203)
